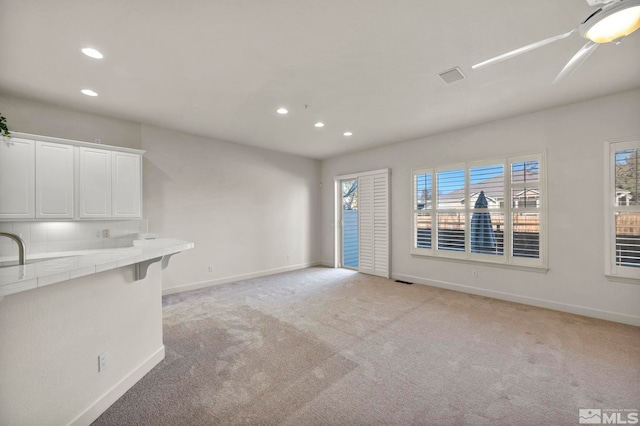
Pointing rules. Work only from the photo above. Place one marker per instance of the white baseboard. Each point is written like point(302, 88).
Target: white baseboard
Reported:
point(541, 303)
point(226, 280)
point(94, 411)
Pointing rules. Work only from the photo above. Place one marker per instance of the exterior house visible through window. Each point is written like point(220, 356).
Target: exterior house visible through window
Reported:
point(490, 211)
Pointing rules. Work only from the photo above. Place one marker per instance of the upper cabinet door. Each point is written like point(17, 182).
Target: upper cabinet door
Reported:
point(17, 175)
point(46, 178)
point(94, 176)
point(54, 180)
point(126, 183)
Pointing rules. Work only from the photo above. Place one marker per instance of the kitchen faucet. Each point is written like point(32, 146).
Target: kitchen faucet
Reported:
point(20, 242)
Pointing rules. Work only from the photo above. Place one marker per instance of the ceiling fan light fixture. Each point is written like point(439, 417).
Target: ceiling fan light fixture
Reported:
point(614, 22)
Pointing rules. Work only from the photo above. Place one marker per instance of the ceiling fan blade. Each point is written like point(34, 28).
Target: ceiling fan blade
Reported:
point(521, 50)
point(577, 60)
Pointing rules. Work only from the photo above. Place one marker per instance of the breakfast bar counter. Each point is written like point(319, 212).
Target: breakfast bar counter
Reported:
point(64, 266)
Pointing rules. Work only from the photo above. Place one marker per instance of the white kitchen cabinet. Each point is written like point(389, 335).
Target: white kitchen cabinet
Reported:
point(110, 184)
point(126, 185)
point(17, 176)
point(94, 183)
point(54, 180)
point(51, 178)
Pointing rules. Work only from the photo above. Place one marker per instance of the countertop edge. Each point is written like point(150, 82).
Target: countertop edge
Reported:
point(17, 279)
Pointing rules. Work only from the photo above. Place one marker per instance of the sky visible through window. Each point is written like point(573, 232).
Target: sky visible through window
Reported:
point(423, 190)
point(622, 157)
point(626, 175)
point(450, 181)
point(454, 204)
point(525, 171)
point(453, 180)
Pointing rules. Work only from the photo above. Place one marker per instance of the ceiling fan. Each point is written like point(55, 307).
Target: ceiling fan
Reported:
point(611, 22)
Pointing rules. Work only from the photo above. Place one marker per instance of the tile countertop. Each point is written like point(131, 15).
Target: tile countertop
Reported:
point(69, 265)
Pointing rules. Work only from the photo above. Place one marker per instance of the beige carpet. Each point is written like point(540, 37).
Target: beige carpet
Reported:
point(333, 347)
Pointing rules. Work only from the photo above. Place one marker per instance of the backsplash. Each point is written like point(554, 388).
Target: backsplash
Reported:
point(46, 237)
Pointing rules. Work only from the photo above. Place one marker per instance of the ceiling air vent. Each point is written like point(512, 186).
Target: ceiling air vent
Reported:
point(452, 75)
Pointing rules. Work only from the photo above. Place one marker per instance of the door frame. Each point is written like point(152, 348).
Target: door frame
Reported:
point(337, 218)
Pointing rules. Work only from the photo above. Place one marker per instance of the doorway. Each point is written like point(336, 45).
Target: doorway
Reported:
point(349, 222)
point(362, 233)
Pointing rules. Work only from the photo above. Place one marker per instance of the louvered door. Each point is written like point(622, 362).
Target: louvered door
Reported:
point(373, 213)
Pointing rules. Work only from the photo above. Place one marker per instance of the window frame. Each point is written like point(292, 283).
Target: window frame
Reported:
point(610, 209)
point(435, 199)
point(506, 235)
point(506, 259)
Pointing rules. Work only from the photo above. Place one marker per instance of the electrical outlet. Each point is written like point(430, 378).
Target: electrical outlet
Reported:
point(105, 233)
point(211, 268)
point(102, 361)
point(98, 233)
point(474, 274)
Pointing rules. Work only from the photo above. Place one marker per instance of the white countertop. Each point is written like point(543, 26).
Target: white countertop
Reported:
point(69, 265)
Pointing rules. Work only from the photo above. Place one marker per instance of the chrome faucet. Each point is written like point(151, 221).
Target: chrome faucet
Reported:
point(20, 242)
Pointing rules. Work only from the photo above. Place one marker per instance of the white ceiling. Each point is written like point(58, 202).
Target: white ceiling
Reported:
point(221, 68)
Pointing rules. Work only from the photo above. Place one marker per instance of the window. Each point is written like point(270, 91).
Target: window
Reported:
point(623, 209)
point(490, 211)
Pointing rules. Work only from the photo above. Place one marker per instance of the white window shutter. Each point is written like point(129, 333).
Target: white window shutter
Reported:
point(373, 211)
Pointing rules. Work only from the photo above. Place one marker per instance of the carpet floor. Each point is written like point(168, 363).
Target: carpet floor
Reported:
point(325, 346)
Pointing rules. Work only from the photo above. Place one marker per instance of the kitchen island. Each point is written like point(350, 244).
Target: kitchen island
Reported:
point(57, 317)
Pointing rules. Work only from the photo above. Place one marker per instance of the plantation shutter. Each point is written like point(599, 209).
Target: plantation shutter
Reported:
point(623, 209)
point(373, 211)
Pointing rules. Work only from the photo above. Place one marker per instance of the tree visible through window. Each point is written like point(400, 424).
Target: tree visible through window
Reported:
point(624, 210)
point(350, 251)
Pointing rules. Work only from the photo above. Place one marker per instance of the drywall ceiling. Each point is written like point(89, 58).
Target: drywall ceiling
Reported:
point(221, 68)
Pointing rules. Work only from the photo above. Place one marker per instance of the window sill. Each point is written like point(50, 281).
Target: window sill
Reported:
point(621, 279)
point(529, 268)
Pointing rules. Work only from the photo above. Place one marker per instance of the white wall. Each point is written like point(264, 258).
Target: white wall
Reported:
point(249, 211)
point(573, 137)
point(252, 212)
point(50, 339)
point(45, 119)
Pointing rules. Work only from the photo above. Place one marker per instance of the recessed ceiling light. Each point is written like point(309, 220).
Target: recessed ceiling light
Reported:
point(347, 133)
point(319, 124)
point(282, 111)
point(92, 53)
point(89, 92)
